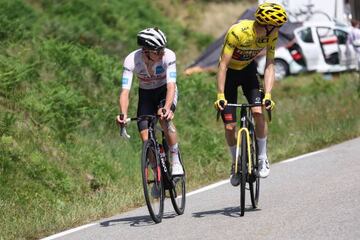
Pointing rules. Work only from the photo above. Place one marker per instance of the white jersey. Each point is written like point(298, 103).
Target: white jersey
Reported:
point(163, 71)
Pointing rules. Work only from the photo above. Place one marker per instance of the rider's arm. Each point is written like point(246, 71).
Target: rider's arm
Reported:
point(170, 95)
point(269, 75)
point(226, 55)
point(170, 82)
point(221, 74)
point(126, 82)
point(124, 101)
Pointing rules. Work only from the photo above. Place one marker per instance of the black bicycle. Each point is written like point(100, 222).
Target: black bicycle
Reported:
point(247, 159)
point(156, 171)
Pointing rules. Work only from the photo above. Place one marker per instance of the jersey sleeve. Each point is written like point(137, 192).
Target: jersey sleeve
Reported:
point(270, 48)
point(171, 67)
point(127, 75)
point(230, 42)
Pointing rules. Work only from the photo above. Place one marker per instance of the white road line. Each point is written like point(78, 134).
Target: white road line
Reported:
point(302, 156)
point(214, 185)
point(69, 231)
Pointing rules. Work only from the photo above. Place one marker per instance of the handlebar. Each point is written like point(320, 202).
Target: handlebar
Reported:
point(246, 105)
point(150, 118)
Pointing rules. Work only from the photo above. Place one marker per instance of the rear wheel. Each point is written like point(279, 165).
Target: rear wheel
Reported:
point(243, 172)
point(178, 192)
point(152, 181)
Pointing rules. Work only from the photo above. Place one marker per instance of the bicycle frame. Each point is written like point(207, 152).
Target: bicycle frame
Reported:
point(244, 122)
point(152, 126)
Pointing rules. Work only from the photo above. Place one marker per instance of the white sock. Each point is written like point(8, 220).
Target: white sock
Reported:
point(233, 152)
point(174, 153)
point(262, 147)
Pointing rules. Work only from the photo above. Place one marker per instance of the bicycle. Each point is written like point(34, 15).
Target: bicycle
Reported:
point(158, 178)
point(247, 159)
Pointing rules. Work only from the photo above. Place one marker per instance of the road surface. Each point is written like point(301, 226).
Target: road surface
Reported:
point(314, 196)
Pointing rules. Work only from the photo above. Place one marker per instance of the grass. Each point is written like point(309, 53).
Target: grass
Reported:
point(62, 163)
point(315, 114)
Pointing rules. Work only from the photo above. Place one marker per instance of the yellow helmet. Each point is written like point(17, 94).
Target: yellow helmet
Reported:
point(271, 14)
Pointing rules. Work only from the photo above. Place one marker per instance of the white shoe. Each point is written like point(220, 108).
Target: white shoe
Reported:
point(264, 168)
point(177, 169)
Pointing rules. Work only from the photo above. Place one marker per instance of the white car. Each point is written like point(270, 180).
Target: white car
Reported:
point(288, 61)
point(319, 47)
point(324, 47)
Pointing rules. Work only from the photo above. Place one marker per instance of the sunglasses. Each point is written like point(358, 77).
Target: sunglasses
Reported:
point(156, 52)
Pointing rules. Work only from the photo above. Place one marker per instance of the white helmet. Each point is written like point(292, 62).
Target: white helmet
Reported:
point(151, 38)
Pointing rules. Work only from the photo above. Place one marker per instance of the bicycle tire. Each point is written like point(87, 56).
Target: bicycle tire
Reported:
point(152, 179)
point(178, 201)
point(243, 171)
point(254, 180)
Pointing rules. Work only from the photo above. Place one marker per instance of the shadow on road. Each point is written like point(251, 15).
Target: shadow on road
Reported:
point(229, 212)
point(138, 221)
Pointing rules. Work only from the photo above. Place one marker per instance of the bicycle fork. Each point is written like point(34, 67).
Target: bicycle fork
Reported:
point(238, 145)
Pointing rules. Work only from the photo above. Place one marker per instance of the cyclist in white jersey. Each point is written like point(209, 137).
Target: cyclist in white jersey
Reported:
point(155, 68)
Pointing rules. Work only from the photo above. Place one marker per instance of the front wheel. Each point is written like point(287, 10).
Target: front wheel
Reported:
point(152, 181)
point(178, 191)
point(243, 157)
point(254, 180)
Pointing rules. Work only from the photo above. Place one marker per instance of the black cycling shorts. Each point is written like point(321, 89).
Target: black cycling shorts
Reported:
point(247, 79)
point(150, 100)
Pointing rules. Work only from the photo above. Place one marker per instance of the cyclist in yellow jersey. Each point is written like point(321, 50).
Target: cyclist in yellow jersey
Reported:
point(243, 42)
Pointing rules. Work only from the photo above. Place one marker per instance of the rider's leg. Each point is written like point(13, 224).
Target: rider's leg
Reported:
point(230, 131)
point(261, 137)
point(252, 92)
point(171, 138)
point(144, 135)
point(232, 82)
point(261, 131)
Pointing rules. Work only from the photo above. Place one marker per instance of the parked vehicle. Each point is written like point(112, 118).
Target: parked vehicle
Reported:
point(319, 47)
point(324, 47)
point(288, 61)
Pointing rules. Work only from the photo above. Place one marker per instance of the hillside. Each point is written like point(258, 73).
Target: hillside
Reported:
point(62, 163)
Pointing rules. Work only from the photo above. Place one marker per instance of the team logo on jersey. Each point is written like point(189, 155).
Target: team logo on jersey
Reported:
point(159, 70)
point(244, 29)
point(125, 81)
point(173, 75)
point(262, 40)
point(244, 55)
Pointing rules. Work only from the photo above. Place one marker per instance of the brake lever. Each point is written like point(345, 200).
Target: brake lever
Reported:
point(268, 103)
point(222, 104)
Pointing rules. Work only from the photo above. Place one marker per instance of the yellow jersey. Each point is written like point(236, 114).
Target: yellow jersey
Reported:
point(243, 44)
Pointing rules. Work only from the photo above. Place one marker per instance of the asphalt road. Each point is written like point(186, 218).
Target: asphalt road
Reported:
point(315, 196)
